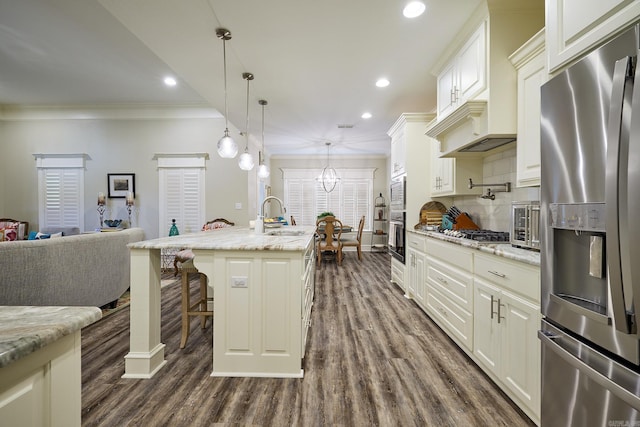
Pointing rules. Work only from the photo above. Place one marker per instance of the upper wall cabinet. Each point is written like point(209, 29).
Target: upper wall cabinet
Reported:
point(464, 76)
point(476, 81)
point(410, 154)
point(530, 64)
point(575, 27)
point(398, 152)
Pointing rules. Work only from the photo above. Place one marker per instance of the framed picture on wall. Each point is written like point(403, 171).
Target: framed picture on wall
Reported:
point(120, 184)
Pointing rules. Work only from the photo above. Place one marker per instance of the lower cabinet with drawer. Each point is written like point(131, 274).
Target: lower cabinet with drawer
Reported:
point(490, 306)
point(397, 273)
point(505, 325)
point(450, 300)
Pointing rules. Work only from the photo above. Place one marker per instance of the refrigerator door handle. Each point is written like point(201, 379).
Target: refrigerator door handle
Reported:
point(612, 180)
point(633, 191)
point(553, 342)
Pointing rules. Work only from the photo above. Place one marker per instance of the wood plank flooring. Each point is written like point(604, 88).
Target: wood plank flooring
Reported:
point(373, 359)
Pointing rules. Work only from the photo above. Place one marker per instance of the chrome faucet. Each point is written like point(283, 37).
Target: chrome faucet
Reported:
point(282, 208)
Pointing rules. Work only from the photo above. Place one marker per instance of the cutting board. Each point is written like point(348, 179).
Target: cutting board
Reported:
point(431, 213)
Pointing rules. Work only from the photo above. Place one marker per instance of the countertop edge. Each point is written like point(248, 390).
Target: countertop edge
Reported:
point(26, 329)
point(504, 250)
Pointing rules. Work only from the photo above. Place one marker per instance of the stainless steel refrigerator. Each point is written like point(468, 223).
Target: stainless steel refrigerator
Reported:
point(590, 242)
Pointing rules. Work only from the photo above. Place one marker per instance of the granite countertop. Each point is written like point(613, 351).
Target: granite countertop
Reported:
point(25, 329)
point(504, 250)
point(234, 238)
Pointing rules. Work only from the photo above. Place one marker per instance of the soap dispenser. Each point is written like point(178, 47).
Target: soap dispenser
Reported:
point(259, 228)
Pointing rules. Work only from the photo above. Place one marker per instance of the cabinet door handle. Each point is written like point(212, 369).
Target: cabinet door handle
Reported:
point(491, 309)
point(441, 280)
point(453, 95)
point(499, 315)
point(495, 273)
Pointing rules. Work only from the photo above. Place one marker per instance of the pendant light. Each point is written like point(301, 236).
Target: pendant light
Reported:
point(227, 147)
point(263, 170)
point(328, 178)
point(246, 161)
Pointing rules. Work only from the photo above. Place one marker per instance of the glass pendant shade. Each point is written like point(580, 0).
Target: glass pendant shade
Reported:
point(227, 147)
point(263, 171)
point(245, 161)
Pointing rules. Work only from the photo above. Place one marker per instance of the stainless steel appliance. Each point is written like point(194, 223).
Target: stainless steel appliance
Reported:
point(398, 196)
point(590, 239)
point(397, 220)
point(480, 236)
point(525, 228)
point(397, 216)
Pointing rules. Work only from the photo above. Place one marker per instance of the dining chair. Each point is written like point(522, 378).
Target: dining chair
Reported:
point(329, 229)
point(357, 242)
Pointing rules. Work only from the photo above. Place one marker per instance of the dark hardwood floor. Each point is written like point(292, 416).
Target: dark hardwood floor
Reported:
point(373, 359)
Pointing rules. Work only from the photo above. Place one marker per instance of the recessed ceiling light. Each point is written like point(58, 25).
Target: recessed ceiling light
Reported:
point(413, 9)
point(366, 115)
point(382, 82)
point(170, 81)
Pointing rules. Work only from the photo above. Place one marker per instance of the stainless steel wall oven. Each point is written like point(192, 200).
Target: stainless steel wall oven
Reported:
point(397, 222)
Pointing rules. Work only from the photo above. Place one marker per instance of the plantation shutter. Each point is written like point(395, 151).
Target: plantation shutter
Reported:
point(182, 192)
point(305, 197)
point(61, 190)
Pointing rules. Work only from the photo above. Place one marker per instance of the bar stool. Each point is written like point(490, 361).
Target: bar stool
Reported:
point(189, 309)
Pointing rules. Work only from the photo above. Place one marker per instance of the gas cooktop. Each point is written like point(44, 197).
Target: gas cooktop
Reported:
point(484, 236)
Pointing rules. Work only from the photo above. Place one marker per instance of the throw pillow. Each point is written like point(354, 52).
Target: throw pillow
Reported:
point(32, 235)
point(54, 235)
point(215, 225)
point(10, 234)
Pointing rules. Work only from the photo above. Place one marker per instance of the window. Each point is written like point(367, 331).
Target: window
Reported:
point(61, 190)
point(305, 198)
point(181, 189)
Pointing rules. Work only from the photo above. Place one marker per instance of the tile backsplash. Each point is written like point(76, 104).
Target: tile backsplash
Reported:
point(496, 214)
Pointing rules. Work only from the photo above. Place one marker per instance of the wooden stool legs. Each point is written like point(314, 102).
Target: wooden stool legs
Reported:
point(199, 308)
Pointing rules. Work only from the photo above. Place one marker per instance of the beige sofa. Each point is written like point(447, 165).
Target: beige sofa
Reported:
point(81, 270)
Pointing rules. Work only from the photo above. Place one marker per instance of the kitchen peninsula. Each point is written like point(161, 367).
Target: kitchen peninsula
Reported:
point(263, 288)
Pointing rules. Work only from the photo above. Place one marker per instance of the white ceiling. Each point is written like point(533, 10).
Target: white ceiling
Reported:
point(314, 61)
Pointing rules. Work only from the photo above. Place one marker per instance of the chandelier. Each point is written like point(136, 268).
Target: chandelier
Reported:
point(227, 147)
point(263, 170)
point(246, 161)
point(328, 178)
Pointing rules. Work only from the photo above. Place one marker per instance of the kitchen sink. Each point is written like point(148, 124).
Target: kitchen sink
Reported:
point(285, 232)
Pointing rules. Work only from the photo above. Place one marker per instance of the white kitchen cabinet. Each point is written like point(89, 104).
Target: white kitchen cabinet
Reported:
point(449, 290)
point(476, 104)
point(415, 263)
point(309, 274)
point(44, 387)
point(531, 67)
point(450, 299)
point(464, 75)
point(398, 152)
point(450, 176)
point(506, 321)
point(409, 131)
point(397, 274)
point(575, 27)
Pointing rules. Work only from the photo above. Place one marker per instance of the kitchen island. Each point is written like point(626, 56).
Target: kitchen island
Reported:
point(40, 365)
point(263, 291)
